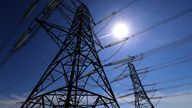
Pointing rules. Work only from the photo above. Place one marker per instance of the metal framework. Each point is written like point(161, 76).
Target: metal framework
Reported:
point(62, 84)
point(141, 98)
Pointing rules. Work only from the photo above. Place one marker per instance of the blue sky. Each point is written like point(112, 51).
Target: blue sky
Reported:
point(22, 71)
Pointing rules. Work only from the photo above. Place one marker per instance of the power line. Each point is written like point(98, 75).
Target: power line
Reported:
point(175, 79)
point(115, 53)
point(159, 89)
point(146, 70)
point(110, 17)
point(115, 12)
point(180, 60)
point(25, 15)
point(174, 95)
point(167, 81)
point(161, 97)
point(26, 36)
point(156, 67)
point(102, 28)
point(166, 47)
point(175, 86)
point(170, 80)
point(171, 45)
point(151, 27)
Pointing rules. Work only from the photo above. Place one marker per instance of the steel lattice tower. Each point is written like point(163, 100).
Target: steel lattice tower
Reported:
point(141, 98)
point(66, 82)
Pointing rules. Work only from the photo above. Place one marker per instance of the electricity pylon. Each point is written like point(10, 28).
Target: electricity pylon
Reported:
point(65, 82)
point(141, 98)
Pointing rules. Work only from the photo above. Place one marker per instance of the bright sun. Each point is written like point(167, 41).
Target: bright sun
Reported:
point(120, 30)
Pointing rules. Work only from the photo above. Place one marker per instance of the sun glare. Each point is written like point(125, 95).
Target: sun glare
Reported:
point(120, 30)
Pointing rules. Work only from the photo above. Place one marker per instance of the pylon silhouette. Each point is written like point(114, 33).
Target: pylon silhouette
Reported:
point(67, 82)
point(141, 98)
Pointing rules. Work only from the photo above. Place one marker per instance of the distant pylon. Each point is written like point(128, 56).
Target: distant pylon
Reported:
point(141, 98)
point(66, 82)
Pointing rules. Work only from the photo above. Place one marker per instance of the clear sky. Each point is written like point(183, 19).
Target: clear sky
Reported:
point(23, 69)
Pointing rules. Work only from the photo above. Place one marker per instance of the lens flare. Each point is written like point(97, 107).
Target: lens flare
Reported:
point(120, 30)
